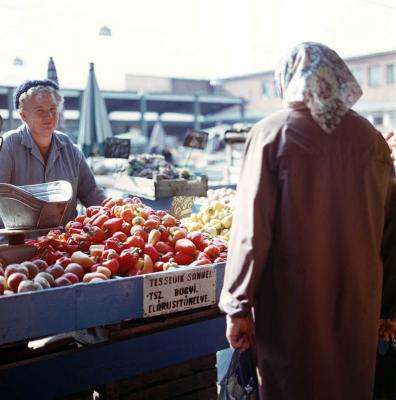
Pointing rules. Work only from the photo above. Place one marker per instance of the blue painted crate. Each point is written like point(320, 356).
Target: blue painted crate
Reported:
point(28, 316)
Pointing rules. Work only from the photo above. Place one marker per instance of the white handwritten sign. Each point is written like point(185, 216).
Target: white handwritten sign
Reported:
point(169, 292)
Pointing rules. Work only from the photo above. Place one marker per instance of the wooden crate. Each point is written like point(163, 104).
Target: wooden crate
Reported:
point(157, 188)
point(191, 380)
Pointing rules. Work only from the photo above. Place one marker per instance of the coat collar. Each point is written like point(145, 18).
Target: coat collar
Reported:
point(27, 141)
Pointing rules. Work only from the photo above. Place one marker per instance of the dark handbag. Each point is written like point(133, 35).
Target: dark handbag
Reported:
point(240, 382)
point(385, 373)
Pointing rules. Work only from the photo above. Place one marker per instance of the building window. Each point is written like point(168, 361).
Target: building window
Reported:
point(358, 74)
point(378, 120)
point(265, 89)
point(374, 78)
point(390, 74)
point(392, 118)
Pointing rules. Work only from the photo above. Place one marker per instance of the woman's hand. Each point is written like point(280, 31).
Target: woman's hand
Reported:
point(240, 332)
point(387, 330)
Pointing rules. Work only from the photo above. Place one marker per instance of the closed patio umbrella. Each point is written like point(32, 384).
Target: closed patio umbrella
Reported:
point(94, 125)
point(157, 142)
point(51, 74)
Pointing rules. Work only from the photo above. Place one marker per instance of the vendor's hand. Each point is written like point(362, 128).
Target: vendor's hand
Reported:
point(387, 330)
point(240, 332)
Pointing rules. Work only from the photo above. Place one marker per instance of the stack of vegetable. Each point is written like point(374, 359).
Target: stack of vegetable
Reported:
point(225, 195)
point(121, 237)
point(214, 220)
point(150, 165)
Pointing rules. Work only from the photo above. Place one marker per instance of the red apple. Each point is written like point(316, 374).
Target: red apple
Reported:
point(29, 286)
point(42, 281)
point(11, 268)
point(2, 284)
point(62, 281)
point(46, 275)
point(42, 265)
point(76, 269)
point(55, 270)
point(32, 268)
point(15, 279)
point(63, 261)
point(73, 278)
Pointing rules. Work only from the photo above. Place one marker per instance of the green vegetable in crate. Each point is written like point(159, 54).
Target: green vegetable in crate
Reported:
point(185, 173)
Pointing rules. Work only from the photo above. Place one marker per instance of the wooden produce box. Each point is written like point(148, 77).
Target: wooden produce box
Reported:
point(157, 188)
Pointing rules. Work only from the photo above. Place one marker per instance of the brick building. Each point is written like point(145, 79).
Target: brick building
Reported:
point(376, 74)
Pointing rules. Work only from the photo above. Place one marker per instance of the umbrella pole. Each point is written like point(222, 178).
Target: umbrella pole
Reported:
point(188, 157)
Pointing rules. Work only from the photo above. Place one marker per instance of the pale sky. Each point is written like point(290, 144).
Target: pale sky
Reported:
point(180, 38)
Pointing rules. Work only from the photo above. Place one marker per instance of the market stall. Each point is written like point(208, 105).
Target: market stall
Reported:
point(112, 329)
point(234, 139)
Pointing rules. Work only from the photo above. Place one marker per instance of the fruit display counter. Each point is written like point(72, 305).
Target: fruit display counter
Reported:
point(130, 289)
point(162, 319)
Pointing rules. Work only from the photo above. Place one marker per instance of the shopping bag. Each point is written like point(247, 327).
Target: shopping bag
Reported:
point(385, 374)
point(240, 382)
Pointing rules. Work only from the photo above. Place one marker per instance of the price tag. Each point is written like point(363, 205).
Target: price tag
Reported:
point(196, 139)
point(169, 292)
point(117, 148)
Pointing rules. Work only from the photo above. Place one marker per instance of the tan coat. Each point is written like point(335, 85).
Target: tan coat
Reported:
point(306, 254)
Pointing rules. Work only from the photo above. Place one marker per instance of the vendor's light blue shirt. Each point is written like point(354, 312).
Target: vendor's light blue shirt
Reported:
point(21, 163)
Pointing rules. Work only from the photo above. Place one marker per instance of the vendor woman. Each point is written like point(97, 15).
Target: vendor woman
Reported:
point(37, 153)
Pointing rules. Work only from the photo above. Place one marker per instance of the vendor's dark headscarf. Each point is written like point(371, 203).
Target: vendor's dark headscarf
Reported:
point(314, 74)
point(25, 86)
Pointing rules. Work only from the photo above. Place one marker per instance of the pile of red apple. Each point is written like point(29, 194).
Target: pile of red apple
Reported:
point(121, 237)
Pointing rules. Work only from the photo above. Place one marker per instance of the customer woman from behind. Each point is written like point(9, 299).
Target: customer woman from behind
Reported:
point(309, 270)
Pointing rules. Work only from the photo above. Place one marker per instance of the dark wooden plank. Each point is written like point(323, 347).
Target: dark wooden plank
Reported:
point(209, 393)
point(16, 253)
point(85, 395)
point(175, 388)
point(168, 374)
point(92, 366)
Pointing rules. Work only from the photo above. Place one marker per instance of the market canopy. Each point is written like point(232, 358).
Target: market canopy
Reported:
point(157, 142)
point(94, 125)
point(53, 76)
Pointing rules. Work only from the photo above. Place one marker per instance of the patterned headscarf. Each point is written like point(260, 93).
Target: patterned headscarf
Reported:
point(314, 74)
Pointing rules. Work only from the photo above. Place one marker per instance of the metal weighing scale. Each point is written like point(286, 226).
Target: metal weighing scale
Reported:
point(32, 209)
